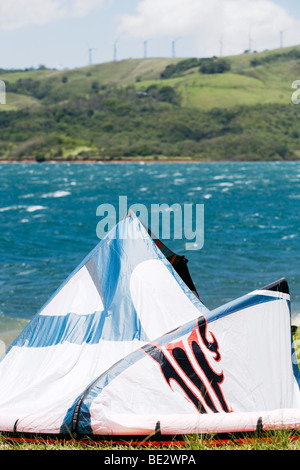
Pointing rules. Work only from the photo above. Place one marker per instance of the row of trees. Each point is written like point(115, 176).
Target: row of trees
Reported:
point(205, 66)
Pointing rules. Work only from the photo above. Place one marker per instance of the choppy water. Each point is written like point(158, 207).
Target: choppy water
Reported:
point(48, 225)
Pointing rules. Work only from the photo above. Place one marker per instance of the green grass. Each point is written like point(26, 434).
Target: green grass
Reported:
point(16, 101)
point(98, 112)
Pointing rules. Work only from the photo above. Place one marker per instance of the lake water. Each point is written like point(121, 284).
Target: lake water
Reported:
point(48, 225)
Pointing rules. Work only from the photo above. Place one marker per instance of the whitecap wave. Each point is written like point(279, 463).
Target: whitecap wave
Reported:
point(35, 208)
point(56, 194)
point(11, 208)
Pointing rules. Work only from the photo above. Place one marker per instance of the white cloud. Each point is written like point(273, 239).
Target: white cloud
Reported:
point(16, 14)
point(84, 7)
point(208, 21)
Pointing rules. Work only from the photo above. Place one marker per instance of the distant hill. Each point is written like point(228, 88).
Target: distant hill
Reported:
point(232, 108)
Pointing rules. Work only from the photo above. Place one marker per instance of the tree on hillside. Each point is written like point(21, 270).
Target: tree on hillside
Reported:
point(214, 66)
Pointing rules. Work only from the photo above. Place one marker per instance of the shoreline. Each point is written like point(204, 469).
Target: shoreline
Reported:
point(167, 160)
point(152, 161)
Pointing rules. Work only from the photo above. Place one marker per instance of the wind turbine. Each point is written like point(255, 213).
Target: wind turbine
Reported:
point(115, 49)
point(221, 46)
point(281, 37)
point(250, 41)
point(146, 48)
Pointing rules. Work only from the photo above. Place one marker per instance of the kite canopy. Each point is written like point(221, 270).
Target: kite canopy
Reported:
point(124, 347)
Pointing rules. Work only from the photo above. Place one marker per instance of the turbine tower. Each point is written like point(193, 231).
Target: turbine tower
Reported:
point(250, 42)
point(91, 49)
point(173, 47)
point(146, 48)
point(281, 38)
point(115, 49)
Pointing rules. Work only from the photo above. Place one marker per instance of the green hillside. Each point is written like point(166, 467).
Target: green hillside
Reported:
point(233, 108)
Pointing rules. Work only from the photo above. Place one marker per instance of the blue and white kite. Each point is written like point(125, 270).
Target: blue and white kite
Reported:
point(124, 347)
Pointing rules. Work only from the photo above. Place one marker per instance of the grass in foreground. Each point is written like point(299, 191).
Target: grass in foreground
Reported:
point(275, 440)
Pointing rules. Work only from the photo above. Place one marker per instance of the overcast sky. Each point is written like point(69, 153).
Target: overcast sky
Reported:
point(59, 33)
